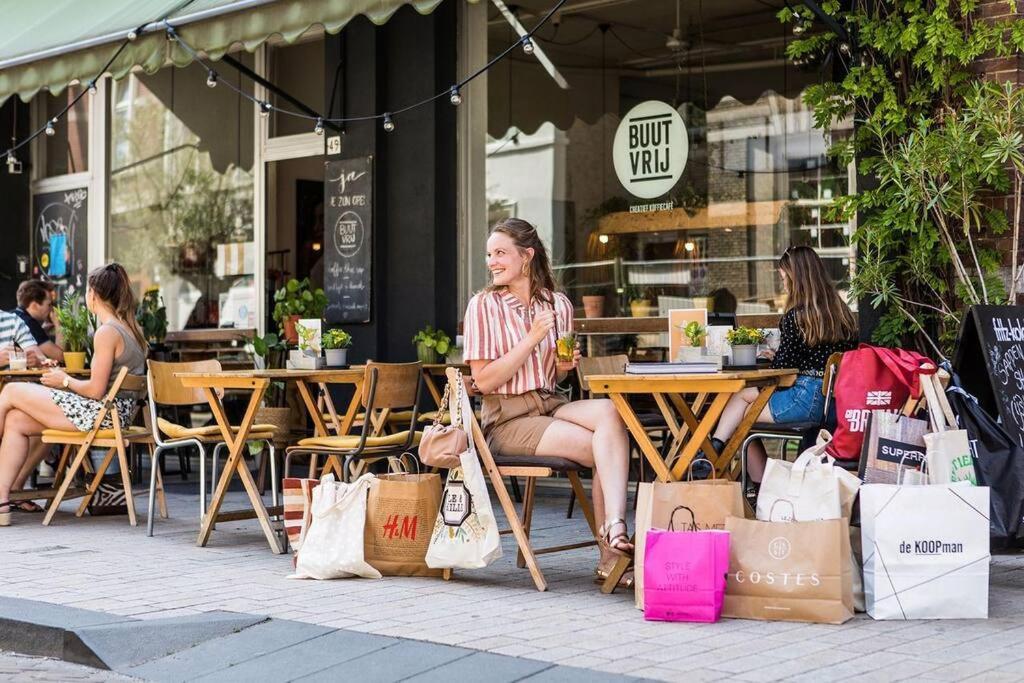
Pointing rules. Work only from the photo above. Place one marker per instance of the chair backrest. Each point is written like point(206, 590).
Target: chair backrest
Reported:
point(391, 385)
point(828, 382)
point(166, 389)
point(600, 365)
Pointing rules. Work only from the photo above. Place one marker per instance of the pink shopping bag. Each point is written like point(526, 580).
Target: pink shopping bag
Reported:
point(684, 573)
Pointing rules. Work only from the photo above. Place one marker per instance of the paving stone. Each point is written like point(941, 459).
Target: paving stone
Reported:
point(494, 668)
point(397, 662)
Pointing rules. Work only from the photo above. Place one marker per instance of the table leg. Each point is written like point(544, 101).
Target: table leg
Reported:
point(236, 463)
point(700, 431)
point(643, 439)
point(751, 416)
point(428, 379)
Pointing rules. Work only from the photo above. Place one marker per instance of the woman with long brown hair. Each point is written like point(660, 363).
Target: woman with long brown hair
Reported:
point(62, 402)
point(815, 324)
point(511, 333)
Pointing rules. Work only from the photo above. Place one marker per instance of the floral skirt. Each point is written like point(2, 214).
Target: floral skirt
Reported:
point(82, 411)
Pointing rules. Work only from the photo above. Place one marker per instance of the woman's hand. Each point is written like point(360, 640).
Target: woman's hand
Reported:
point(564, 366)
point(53, 379)
point(542, 326)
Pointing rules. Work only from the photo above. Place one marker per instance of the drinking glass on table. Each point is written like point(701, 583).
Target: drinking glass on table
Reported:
point(17, 359)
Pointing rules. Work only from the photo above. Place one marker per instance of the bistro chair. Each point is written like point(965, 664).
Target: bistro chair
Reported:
point(165, 389)
point(387, 388)
point(794, 432)
point(116, 439)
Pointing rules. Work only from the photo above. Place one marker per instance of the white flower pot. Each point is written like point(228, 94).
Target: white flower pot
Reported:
point(690, 354)
point(337, 357)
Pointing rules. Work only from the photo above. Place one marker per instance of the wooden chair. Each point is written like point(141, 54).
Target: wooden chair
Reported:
point(387, 388)
point(792, 432)
point(115, 440)
point(531, 468)
point(167, 390)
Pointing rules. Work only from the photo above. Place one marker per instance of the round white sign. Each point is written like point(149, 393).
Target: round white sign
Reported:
point(650, 149)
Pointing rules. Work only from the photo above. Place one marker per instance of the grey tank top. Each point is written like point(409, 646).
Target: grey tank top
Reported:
point(132, 357)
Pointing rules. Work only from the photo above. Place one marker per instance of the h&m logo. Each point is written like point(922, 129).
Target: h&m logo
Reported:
point(401, 526)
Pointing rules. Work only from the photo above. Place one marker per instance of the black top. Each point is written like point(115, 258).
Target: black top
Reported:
point(33, 326)
point(795, 353)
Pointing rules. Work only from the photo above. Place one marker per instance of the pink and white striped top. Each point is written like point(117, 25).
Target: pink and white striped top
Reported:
point(496, 321)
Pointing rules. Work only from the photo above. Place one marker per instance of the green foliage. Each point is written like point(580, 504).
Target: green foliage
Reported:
point(337, 339)
point(73, 318)
point(695, 332)
point(298, 298)
point(744, 336)
point(152, 316)
point(937, 146)
point(270, 350)
point(434, 339)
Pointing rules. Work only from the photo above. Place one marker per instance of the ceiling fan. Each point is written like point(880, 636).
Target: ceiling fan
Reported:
point(545, 62)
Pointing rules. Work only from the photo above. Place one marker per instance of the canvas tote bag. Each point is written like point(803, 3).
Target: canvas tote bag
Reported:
point(789, 571)
point(811, 486)
point(710, 500)
point(333, 544)
point(947, 448)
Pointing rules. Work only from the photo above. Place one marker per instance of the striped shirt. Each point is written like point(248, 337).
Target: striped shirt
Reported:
point(14, 331)
point(496, 321)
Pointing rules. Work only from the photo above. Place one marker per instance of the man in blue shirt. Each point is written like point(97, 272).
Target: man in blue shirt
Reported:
point(36, 299)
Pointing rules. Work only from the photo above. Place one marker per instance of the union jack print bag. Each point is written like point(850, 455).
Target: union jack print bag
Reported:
point(872, 378)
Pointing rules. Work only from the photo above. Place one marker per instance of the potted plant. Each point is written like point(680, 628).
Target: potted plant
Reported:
point(297, 299)
point(152, 318)
point(73, 318)
point(696, 334)
point(593, 303)
point(431, 344)
point(639, 301)
point(336, 343)
point(744, 341)
point(269, 352)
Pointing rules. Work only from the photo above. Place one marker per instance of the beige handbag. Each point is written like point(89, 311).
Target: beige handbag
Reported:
point(442, 444)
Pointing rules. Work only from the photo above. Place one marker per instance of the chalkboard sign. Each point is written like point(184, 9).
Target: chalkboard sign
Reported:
point(990, 362)
point(348, 232)
point(59, 237)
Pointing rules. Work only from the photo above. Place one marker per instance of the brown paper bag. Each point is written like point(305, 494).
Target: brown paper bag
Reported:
point(789, 571)
point(712, 501)
point(400, 514)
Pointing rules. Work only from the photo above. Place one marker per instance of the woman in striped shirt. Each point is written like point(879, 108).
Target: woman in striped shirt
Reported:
point(511, 332)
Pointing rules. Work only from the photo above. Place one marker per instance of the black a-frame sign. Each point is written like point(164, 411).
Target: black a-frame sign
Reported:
point(990, 362)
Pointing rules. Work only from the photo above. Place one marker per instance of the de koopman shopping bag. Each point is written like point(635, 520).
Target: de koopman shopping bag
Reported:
point(333, 544)
point(684, 572)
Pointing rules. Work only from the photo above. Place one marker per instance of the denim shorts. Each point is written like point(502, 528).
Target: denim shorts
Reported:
point(801, 402)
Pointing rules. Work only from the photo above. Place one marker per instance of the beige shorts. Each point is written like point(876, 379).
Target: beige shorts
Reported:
point(514, 424)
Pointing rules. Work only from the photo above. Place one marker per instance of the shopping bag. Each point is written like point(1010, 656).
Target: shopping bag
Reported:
point(812, 485)
point(789, 571)
point(891, 438)
point(333, 546)
point(400, 514)
point(710, 500)
point(948, 453)
point(465, 534)
point(926, 550)
point(685, 572)
point(298, 499)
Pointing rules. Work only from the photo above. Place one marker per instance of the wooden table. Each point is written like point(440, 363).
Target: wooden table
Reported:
point(33, 374)
point(256, 382)
point(671, 393)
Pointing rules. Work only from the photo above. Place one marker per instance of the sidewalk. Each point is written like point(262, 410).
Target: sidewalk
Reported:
point(102, 564)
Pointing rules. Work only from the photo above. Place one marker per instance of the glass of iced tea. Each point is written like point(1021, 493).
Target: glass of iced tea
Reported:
point(566, 347)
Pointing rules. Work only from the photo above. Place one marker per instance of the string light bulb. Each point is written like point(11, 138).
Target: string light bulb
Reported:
point(92, 87)
point(799, 29)
point(265, 108)
point(211, 79)
point(844, 48)
point(50, 130)
point(527, 45)
point(132, 35)
point(389, 125)
point(456, 96)
point(319, 127)
point(898, 73)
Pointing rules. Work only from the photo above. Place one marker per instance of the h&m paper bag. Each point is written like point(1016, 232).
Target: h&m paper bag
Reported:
point(400, 514)
point(711, 500)
point(789, 571)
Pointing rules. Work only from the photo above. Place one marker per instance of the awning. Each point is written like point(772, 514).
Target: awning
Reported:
point(60, 42)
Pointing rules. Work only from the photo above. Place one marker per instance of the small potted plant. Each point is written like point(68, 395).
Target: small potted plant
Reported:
point(336, 343)
point(639, 301)
point(297, 299)
point(431, 344)
point(593, 303)
point(152, 318)
point(744, 341)
point(73, 319)
point(696, 334)
point(269, 352)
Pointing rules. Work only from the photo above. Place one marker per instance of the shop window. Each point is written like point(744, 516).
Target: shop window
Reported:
point(67, 150)
point(756, 178)
point(181, 194)
point(299, 70)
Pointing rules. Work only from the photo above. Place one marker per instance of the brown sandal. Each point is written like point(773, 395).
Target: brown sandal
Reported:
point(617, 544)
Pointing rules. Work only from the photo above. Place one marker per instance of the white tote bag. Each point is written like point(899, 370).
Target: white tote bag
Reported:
point(812, 484)
point(333, 545)
point(465, 534)
point(947, 449)
point(926, 550)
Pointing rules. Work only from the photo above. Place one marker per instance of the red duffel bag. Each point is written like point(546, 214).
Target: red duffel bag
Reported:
point(872, 378)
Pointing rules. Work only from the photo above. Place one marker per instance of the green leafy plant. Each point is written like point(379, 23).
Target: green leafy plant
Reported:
point(270, 350)
point(695, 332)
point(744, 336)
point(298, 297)
point(937, 146)
point(336, 339)
point(152, 316)
point(433, 339)
point(73, 318)
point(637, 293)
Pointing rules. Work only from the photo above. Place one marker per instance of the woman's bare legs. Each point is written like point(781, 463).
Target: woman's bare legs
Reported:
point(733, 414)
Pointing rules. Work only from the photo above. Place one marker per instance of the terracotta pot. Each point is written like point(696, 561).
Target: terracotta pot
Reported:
point(74, 361)
point(593, 306)
point(640, 308)
point(291, 335)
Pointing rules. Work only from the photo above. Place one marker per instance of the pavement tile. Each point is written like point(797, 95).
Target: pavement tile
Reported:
point(498, 669)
